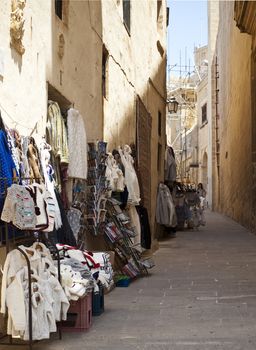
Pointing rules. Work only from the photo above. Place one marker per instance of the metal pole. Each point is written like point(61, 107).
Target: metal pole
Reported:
point(185, 150)
point(181, 148)
point(30, 320)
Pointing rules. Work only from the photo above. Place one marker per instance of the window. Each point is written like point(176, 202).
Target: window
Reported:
point(204, 113)
point(159, 6)
point(159, 15)
point(104, 71)
point(127, 14)
point(159, 123)
point(159, 156)
point(58, 8)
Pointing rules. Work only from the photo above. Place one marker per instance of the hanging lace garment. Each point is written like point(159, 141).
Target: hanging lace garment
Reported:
point(131, 179)
point(114, 174)
point(77, 145)
point(57, 132)
point(49, 181)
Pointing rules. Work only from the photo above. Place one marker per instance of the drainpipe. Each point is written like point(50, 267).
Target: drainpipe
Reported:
point(217, 117)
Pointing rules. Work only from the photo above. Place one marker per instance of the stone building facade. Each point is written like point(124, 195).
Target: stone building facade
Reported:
point(105, 58)
point(135, 98)
point(181, 128)
point(233, 113)
point(201, 63)
point(53, 63)
point(213, 23)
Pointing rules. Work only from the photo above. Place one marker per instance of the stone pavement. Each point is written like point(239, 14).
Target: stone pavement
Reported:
point(200, 296)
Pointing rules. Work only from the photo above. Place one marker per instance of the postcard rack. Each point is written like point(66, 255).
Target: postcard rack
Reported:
point(119, 234)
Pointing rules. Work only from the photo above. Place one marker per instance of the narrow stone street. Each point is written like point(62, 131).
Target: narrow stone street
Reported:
point(201, 295)
point(119, 118)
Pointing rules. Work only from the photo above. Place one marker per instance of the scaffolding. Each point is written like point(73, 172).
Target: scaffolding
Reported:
point(183, 128)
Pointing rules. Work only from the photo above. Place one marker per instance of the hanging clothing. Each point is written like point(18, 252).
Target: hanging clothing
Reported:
point(74, 219)
point(170, 172)
point(38, 194)
point(33, 160)
point(57, 132)
point(145, 227)
point(7, 168)
point(13, 148)
point(135, 223)
point(29, 207)
point(77, 145)
point(24, 164)
point(114, 174)
point(165, 209)
point(49, 302)
point(19, 208)
point(131, 179)
point(49, 182)
point(64, 234)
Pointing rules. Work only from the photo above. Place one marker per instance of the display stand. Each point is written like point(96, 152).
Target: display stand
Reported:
point(122, 244)
point(96, 187)
point(102, 217)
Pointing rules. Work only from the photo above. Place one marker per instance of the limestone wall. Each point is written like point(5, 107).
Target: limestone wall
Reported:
point(202, 133)
point(66, 53)
point(233, 52)
point(213, 23)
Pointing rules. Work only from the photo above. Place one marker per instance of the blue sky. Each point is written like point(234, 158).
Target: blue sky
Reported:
point(187, 29)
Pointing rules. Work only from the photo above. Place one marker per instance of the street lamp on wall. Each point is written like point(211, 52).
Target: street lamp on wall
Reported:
point(172, 105)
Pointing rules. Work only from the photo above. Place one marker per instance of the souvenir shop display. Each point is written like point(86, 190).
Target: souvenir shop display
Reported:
point(196, 217)
point(57, 134)
point(170, 171)
point(97, 187)
point(131, 178)
point(120, 234)
point(29, 207)
point(77, 145)
point(165, 208)
point(48, 175)
point(31, 294)
point(114, 174)
point(48, 301)
point(145, 226)
point(49, 275)
point(82, 271)
point(33, 204)
point(84, 277)
point(188, 207)
point(181, 209)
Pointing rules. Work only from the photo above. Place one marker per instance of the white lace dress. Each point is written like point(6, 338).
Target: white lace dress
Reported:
point(131, 179)
point(77, 145)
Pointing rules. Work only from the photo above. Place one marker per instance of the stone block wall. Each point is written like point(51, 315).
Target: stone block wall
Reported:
point(233, 51)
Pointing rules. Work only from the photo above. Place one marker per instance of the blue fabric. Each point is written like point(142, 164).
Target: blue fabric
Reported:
point(6, 166)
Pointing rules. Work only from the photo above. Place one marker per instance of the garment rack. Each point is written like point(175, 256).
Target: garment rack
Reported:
point(44, 240)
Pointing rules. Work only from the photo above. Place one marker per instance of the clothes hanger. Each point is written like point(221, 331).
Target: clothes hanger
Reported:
point(38, 246)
